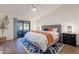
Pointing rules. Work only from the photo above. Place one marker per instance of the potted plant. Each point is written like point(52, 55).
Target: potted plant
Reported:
point(3, 26)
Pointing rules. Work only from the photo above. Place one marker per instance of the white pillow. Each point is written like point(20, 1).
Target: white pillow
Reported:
point(54, 29)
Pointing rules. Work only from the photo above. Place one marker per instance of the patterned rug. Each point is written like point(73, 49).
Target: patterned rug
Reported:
point(53, 49)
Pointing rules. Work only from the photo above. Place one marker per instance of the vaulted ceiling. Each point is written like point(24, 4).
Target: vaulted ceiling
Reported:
point(26, 9)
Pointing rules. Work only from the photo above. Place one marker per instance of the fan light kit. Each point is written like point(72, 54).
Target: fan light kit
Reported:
point(34, 7)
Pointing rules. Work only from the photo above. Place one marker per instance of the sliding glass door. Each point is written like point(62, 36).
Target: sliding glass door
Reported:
point(21, 28)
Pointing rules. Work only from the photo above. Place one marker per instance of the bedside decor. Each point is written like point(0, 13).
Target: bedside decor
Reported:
point(69, 29)
point(3, 26)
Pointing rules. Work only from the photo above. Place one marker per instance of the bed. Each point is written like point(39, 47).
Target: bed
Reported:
point(44, 41)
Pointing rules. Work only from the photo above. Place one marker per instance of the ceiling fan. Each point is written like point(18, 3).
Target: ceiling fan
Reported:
point(34, 7)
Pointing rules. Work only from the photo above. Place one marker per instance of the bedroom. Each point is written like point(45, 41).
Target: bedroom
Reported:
point(36, 16)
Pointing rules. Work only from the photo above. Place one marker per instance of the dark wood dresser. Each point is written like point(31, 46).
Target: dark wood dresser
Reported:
point(69, 39)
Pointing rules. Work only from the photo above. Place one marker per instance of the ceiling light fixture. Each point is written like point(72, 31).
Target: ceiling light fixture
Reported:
point(34, 7)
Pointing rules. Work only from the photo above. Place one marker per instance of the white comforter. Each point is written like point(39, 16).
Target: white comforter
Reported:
point(40, 39)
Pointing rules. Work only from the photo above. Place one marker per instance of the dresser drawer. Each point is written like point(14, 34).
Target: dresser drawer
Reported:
point(69, 39)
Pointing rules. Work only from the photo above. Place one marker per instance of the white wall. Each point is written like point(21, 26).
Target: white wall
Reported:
point(65, 15)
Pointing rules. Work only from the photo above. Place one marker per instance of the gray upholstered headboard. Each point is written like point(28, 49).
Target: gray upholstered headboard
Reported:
point(53, 26)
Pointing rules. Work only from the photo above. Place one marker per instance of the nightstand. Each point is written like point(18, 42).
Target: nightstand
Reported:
point(69, 39)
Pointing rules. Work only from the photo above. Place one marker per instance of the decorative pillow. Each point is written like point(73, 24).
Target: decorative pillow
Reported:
point(45, 29)
point(54, 29)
